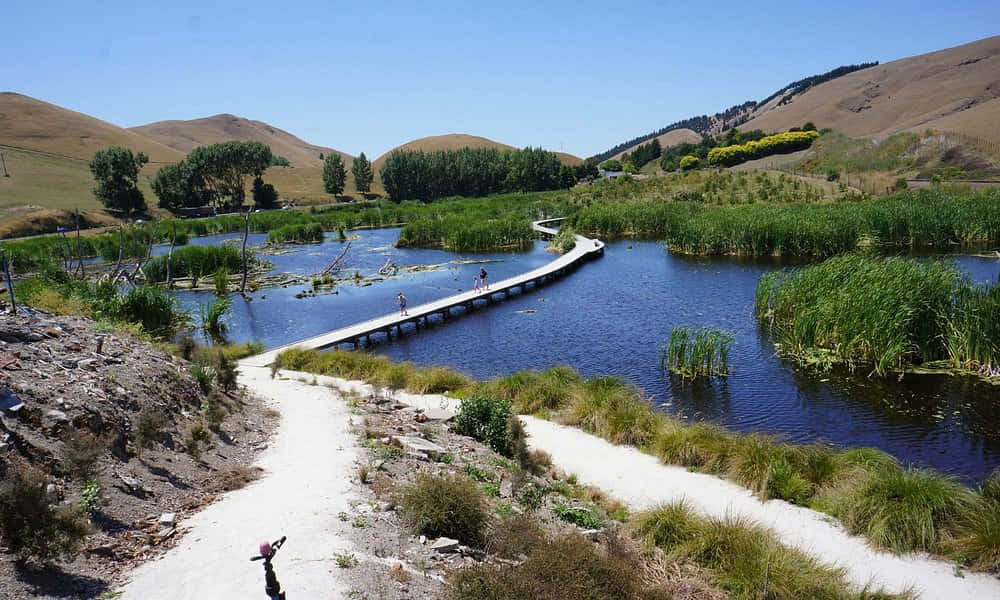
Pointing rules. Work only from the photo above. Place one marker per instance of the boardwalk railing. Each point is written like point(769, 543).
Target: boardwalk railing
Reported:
point(585, 249)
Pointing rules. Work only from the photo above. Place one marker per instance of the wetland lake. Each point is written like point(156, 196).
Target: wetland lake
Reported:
point(611, 317)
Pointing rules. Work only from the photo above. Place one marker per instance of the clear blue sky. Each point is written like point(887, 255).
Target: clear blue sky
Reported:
point(367, 76)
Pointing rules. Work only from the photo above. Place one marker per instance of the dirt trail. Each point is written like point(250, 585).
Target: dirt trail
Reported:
point(307, 468)
point(642, 482)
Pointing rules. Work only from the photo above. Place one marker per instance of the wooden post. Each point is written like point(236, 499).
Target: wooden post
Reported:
point(4, 162)
point(170, 257)
point(246, 234)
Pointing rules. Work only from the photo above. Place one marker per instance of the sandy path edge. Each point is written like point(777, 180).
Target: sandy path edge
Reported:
point(308, 469)
point(646, 483)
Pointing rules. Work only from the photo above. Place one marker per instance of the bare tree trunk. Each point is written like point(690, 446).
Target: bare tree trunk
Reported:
point(336, 261)
point(246, 234)
point(121, 252)
point(170, 257)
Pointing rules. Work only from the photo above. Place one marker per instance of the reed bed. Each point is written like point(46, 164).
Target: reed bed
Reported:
point(886, 312)
point(300, 233)
point(564, 241)
point(693, 353)
point(896, 508)
point(932, 217)
point(196, 262)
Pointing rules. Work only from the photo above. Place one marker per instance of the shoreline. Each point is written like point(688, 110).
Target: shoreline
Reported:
point(648, 483)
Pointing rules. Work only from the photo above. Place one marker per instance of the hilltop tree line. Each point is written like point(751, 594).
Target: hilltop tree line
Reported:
point(797, 87)
point(472, 172)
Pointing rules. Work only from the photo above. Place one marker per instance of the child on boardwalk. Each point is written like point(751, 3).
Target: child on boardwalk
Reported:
point(475, 283)
point(401, 300)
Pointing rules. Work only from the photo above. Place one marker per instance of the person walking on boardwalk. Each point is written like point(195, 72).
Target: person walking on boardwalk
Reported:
point(475, 283)
point(483, 278)
point(401, 300)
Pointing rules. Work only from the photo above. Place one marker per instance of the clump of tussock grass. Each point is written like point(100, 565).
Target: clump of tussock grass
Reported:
point(693, 353)
point(977, 533)
point(902, 509)
point(742, 557)
point(452, 506)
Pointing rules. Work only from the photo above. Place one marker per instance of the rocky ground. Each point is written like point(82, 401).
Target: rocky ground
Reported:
point(70, 394)
point(391, 562)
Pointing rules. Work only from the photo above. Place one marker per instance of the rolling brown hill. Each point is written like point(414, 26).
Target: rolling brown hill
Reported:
point(36, 125)
point(956, 89)
point(456, 141)
point(187, 135)
point(670, 138)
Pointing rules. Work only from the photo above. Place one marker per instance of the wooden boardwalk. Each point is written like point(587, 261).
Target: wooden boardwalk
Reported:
point(418, 316)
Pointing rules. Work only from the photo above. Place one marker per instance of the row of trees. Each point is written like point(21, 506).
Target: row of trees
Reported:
point(215, 176)
point(426, 176)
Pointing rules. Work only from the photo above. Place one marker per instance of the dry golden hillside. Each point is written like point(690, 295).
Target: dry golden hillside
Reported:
point(670, 138)
point(956, 89)
point(185, 136)
point(35, 125)
point(47, 149)
point(456, 141)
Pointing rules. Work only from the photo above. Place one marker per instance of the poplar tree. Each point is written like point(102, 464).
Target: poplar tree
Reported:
point(362, 171)
point(334, 174)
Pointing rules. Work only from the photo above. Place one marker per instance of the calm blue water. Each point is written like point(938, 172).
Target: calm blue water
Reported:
point(612, 315)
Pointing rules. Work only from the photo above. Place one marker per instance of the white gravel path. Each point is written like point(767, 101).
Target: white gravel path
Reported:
point(308, 467)
point(642, 482)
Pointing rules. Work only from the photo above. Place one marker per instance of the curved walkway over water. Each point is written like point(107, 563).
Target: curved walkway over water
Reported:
point(585, 249)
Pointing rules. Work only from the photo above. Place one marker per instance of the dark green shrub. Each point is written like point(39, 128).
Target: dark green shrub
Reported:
point(451, 506)
point(30, 526)
point(487, 419)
